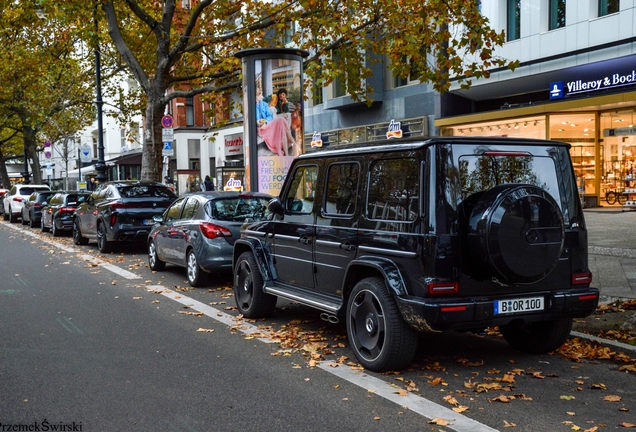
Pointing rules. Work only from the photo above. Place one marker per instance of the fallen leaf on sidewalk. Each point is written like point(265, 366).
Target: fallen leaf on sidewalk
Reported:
point(612, 398)
point(439, 421)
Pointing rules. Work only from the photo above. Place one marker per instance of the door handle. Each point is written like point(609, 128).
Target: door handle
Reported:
point(347, 246)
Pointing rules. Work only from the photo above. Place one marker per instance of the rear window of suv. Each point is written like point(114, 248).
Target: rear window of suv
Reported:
point(29, 190)
point(479, 173)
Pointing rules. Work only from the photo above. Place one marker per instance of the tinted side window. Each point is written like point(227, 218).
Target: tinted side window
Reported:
point(300, 196)
point(174, 210)
point(394, 190)
point(342, 188)
point(190, 209)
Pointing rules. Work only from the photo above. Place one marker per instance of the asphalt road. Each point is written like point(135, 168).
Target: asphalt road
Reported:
point(104, 342)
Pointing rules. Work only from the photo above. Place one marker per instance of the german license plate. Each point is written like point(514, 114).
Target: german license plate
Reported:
point(520, 305)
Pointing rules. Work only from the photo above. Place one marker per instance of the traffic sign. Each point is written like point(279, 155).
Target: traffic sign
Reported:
point(167, 149)
point(47, 154)
point(167, 134)
point(85, 153)
point(166, 121)
point(47, 143)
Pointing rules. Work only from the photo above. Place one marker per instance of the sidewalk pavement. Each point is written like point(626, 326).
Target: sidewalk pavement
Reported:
point(612, 251)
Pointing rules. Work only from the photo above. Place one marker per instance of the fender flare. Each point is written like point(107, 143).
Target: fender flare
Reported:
point(262, 254)
point(389, 270)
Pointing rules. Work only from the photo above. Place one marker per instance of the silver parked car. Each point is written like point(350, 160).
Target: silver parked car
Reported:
point(199, 229)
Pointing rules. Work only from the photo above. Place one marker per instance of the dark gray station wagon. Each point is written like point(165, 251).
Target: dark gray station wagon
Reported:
point(444, 234)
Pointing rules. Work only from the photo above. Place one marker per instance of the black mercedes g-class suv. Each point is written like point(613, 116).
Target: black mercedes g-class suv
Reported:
point(425, 235)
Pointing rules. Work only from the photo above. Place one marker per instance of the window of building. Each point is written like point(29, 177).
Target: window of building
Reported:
point(606, 7)
point(122, 135)
point(513, 18)
point(339, 84)
point(189, 111)
point(556, 14)
point(414, 73)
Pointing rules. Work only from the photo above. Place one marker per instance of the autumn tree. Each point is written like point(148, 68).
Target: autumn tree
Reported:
point(180, 49)
point(44, 76)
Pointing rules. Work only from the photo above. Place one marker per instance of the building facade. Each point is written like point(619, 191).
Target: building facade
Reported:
point(576, 83)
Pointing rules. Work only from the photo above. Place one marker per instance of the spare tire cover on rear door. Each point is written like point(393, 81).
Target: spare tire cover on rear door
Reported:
point(517, 230)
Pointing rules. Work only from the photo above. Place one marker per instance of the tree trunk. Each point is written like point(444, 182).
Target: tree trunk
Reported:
point(151, 159)
point(30, 145)
point(4, 175)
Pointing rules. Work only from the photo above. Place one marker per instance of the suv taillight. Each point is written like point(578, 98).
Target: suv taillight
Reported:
point(442, 288)
point(64, 210)
point(581, 278)
point(38, 205)
point(213, 231)
point(18, 198)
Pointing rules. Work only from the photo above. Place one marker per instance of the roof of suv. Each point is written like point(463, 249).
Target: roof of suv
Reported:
point(419, 142)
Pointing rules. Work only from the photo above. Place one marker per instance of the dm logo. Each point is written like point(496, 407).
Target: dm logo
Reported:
point(556, 90)
point(316, 140)
point(394, 130)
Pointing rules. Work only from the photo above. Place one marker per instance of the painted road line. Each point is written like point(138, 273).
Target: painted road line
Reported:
point(209, 311)
point(90, 258)
point(411, 401)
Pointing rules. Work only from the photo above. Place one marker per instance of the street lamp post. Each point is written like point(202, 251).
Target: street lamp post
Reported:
point(100, 166)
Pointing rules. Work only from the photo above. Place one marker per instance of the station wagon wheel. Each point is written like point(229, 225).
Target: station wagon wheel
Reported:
point(103, 244)
point(31, 221)
point(153, 260)
point(379, 337)
point(42, 227)
point(250, 298)
point(54, 230)
point(78, 238)
point(196, 277)
point(538, 337)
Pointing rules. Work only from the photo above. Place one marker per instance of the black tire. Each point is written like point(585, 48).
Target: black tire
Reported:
point(42, 226)
point(380, 338)
point(32, 223)
point(78, 238)
point(5, 215)
point(538, 337)
point(153, 259)
point(610, 197)
point(103, 245)
point(54, 231)
point(622, 198)
point(24, 221)
point(13, 218)
point(250, 298)
point(196, 276)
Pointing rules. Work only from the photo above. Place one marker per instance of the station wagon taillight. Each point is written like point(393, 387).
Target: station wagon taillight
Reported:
point(64, 210)
point(211, 230)
point(18, 198)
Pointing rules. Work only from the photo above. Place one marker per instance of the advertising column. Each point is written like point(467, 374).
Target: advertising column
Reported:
point(272, 115)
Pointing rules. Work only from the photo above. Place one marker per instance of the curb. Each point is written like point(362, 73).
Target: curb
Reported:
point(610, 342)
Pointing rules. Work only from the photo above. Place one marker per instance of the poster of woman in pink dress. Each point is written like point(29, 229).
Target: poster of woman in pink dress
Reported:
point(273, 129)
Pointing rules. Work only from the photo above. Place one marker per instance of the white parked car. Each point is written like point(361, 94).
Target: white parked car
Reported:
point(14, 200)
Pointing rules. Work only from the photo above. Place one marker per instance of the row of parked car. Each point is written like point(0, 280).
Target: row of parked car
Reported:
point(196, 231)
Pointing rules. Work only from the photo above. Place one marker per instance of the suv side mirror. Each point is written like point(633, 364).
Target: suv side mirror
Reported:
point(275, 206)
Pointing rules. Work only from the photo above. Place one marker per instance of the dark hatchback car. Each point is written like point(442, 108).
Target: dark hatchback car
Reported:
point(449, 233)
point(199, 230)
point(120, 212)
point(32, 210)
point(57, 214)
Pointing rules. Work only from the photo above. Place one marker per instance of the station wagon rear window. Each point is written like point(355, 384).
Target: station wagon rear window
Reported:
point(139, 191)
